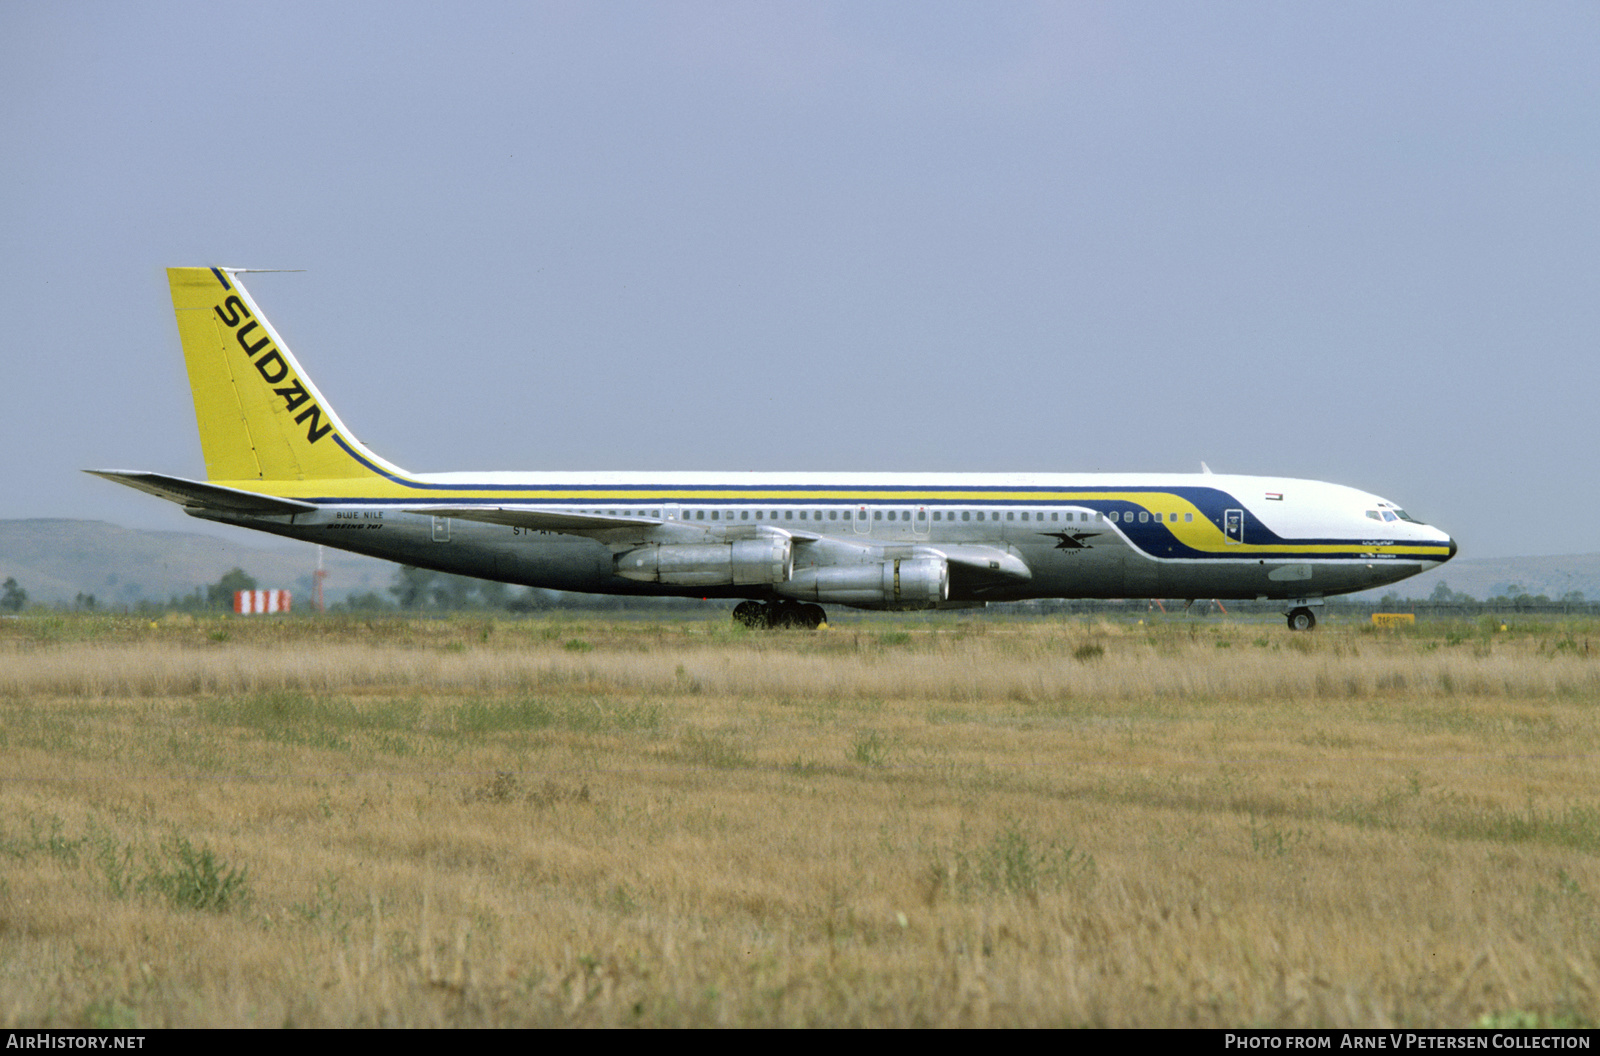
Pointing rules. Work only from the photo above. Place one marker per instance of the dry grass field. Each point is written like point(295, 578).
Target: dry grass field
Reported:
point(963, 822)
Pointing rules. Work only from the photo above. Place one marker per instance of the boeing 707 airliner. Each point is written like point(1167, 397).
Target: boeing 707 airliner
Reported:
point(278, 459)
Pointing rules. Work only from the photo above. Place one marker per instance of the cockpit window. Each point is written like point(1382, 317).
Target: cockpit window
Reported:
point(1392, 513)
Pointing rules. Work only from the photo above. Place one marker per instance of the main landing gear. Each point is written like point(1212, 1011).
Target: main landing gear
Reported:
point(1301, 619)
point(784, 615)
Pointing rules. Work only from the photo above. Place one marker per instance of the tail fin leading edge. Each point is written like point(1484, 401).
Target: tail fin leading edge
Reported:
point(260, 417)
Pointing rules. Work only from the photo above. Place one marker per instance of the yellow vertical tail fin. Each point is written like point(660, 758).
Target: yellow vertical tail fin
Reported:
point(260, 417)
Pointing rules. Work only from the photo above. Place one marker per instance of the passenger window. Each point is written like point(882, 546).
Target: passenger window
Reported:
point(1011, 515)
point(966, 515)
point(891, 515)
point(1143, 516)
point(1188, 518)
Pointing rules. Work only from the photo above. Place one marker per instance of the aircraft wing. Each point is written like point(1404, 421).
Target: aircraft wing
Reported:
point(544, 520)
point(581, 523)
point(207, 496)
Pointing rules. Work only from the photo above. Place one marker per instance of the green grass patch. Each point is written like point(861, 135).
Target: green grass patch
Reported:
point(708, 749)
point(1015, 861)
point(538, 713)
point(193, 877)
point(870, 748)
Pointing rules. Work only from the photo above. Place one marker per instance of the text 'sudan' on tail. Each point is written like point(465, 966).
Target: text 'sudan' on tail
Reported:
point(260, 417)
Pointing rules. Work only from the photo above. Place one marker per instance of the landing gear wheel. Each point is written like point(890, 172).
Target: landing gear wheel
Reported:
point(785, 615)
point(1302, 619)
point(788, 616)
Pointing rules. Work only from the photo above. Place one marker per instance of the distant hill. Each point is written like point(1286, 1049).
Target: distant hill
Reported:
point(56, 560)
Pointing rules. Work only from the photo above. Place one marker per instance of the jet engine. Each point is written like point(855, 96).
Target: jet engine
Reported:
point(896, 583)
point(744, 562)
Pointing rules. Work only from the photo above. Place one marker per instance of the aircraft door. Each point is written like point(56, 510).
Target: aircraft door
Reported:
point(919, 525)
point(1233, 525)
point(441, 529)
point(863, 520)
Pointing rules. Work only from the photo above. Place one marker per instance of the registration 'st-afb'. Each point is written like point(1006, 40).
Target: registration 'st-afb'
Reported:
point(279, 460)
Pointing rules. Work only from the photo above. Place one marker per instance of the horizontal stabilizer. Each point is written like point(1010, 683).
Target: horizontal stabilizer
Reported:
point(196, 493)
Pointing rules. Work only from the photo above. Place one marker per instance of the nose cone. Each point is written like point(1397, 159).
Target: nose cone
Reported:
point(1452, 548)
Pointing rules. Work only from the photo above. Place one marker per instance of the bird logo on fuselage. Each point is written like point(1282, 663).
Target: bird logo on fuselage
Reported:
point(1071, 540)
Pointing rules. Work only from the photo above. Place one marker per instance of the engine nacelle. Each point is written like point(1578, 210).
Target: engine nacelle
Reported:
point(898, 583)
point(764, 561)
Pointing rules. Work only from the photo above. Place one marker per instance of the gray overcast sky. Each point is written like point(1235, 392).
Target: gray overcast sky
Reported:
point(1356, 242)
